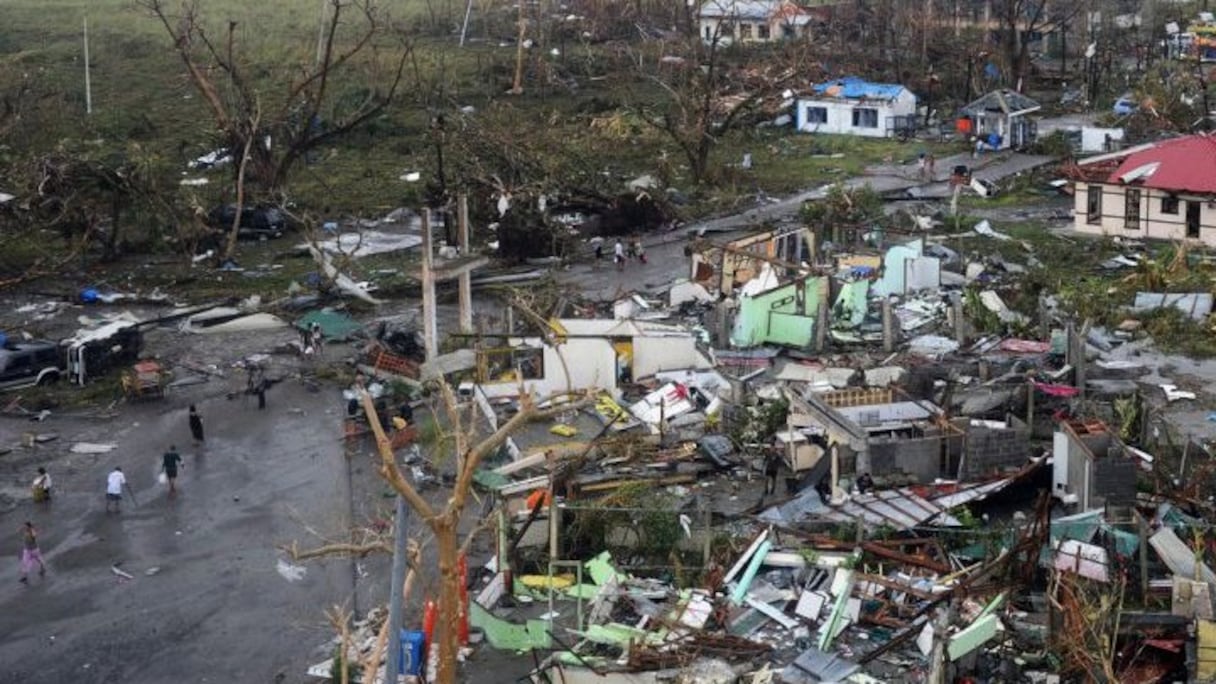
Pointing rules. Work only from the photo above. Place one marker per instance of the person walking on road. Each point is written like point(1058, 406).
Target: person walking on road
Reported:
point(618, 255)
point(196, 425)
point(169, 464)
point(41, 487)
point(30, 553)
point(640, 251)
point(316, 339)
point(115, 482)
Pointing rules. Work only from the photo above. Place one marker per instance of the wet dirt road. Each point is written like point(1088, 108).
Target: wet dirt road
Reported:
point(218, 609)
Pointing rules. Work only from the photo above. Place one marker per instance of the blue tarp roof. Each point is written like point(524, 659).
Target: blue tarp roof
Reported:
point(854, 88)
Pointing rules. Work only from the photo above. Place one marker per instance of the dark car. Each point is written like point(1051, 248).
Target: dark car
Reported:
point(23, 364)
point(257, 223)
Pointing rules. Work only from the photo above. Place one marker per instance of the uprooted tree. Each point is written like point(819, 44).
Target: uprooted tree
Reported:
point(355, 74)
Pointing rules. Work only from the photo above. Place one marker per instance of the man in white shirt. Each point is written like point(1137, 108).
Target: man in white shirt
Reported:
point(115, 481)
point(42, 486)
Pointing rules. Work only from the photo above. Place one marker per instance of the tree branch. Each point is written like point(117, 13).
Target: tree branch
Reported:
point(388, 465)
point(330, 550)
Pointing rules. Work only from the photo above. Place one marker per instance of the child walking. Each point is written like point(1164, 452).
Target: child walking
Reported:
point(30, 553)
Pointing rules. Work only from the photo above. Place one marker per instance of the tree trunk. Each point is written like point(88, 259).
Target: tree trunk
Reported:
point(235, 229)
point(111, 243)
point(450, 609)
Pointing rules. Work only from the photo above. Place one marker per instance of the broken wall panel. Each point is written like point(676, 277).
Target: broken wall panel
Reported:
point(784, 315)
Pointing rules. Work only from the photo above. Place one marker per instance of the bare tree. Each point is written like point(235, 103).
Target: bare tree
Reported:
point(350, 82)
point(704, 97)
point(443, 521)
point(1019, 19)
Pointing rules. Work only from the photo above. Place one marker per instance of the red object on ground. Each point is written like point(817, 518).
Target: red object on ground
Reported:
point(462, 568)
point(430, 613)
point(1024, 346)
point(1057, 390)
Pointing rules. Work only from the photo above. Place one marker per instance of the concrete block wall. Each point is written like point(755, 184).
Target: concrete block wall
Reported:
point(1114, 481)
point(918, 458)
point(991, 451)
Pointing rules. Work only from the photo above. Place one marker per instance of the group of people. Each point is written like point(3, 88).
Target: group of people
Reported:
point(116, 487)
point(312, 340)
point(622, 252)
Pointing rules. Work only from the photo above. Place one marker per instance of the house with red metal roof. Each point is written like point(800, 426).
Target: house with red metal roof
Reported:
point(1162, 191)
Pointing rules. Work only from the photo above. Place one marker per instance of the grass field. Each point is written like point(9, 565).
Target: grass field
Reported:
point(142, 98)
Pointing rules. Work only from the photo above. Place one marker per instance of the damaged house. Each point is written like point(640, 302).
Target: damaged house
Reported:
point(898, 439)
point(588, 354)
point(1001, 116)
point(1161, 191)
point(1091, 467)
point(723, 268)
point(854, 106)
point(795, 310)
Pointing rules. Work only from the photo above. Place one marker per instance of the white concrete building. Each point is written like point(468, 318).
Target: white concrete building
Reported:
point(1160, 191)
point(595, 354)
point(852, 106)
point(752, 21)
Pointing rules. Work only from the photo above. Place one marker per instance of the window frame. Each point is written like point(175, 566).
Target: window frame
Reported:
point(1093, 205)
point(1131, 208)
point(861, 114)
point(813, 120)
point(1170, 204)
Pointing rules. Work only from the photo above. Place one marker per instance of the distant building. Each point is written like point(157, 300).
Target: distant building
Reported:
point(753, 21)
point(853, 106)
point(1162, 191)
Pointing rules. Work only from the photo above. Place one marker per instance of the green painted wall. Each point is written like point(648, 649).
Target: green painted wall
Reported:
point(784, 315)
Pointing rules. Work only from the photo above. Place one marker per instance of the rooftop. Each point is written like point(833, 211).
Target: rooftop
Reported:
point(1004, 100)
point(853, 88)
point(1185, 164)
point(740, 9)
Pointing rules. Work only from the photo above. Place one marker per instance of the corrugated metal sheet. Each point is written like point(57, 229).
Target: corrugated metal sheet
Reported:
point(1197, 305)
point(898, 508)
point(852, 88)
point(1179, 557)
point(827, 667)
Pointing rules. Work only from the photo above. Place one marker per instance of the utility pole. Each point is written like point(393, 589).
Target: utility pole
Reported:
point(392, 665)
point(464, 27)
point(321, 33)
point(88, 86)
